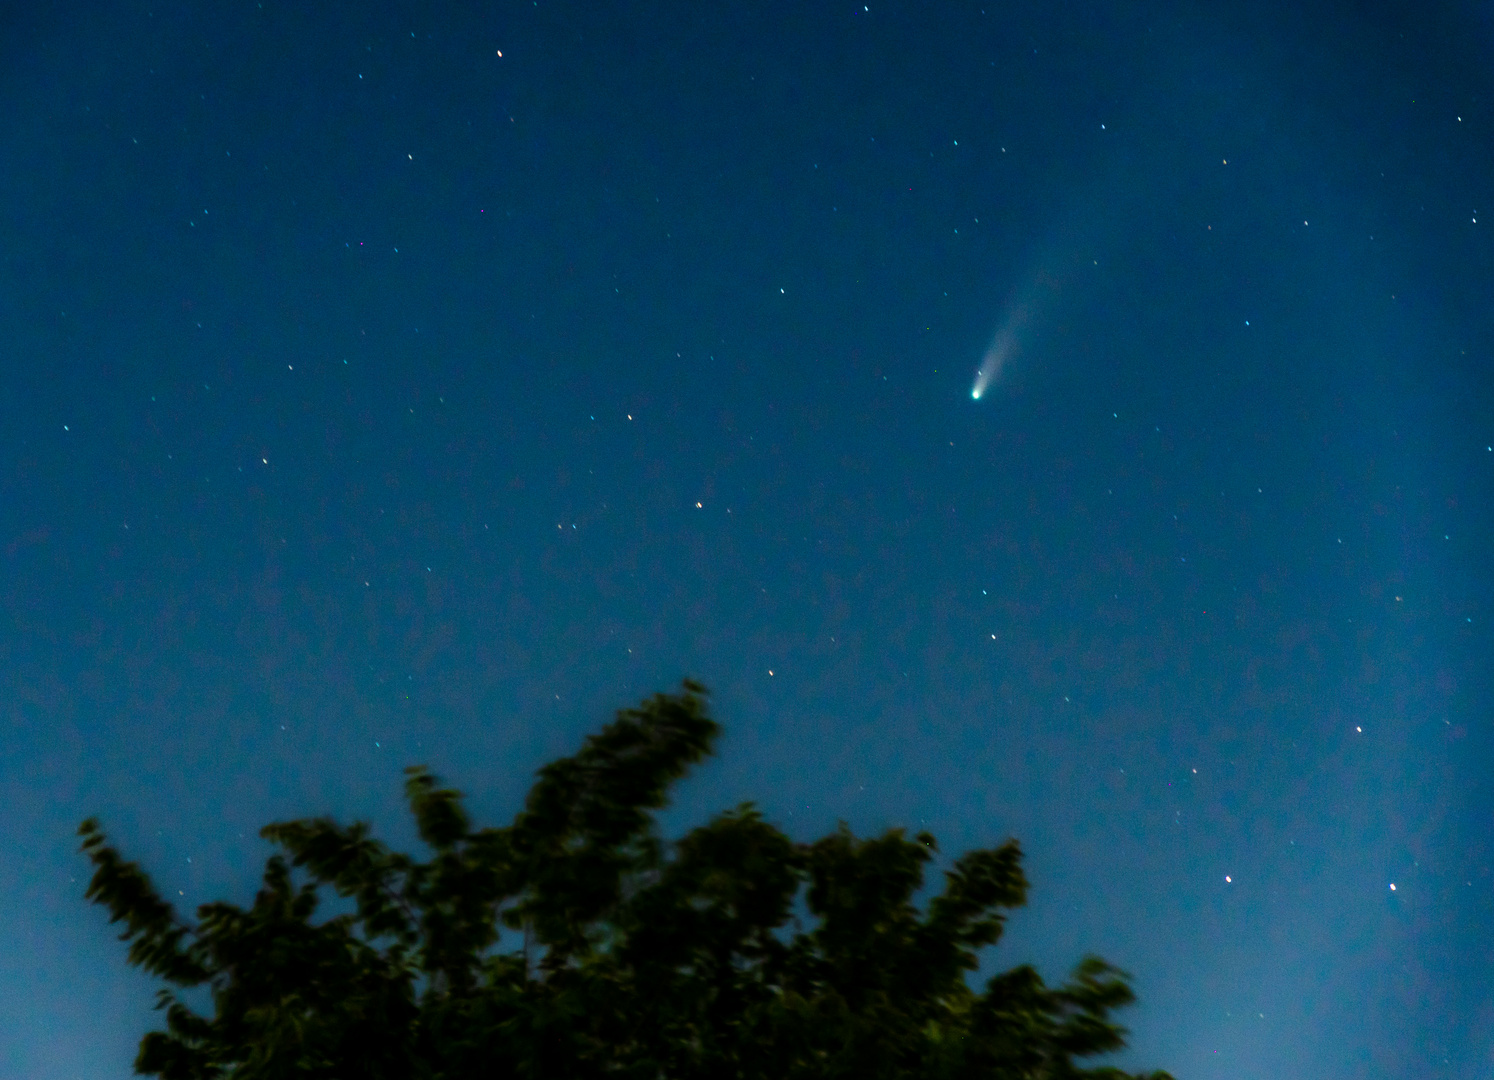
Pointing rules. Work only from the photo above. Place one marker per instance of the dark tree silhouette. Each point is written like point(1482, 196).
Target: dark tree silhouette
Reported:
point(576, 943)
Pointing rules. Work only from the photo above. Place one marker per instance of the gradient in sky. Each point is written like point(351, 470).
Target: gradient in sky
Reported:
point(395, 383)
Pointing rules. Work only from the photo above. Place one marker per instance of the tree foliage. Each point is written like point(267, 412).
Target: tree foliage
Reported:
point(576, 943)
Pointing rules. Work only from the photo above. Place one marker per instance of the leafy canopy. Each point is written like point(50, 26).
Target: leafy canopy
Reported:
point(576, 943)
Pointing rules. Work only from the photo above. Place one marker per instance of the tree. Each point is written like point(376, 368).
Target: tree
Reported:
point(576, 943)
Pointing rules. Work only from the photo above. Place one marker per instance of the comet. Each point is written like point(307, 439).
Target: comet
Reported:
point(995, 359)
point(1002, 348)
point(1059, 264)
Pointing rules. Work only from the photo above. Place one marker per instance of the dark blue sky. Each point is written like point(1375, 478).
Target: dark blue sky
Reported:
point(370, 398)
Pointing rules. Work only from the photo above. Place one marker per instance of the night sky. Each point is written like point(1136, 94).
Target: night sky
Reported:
point(404, 383)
